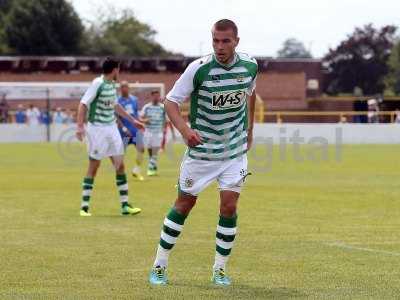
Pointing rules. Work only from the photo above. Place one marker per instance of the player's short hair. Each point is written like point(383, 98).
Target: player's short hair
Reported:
point(124, 83)
point(153, 92)
point(109, 65)
point(226, 24)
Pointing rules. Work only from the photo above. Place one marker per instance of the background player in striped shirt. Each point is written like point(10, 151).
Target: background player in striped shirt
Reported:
point(220, 133)
point(99, 105)
point(130, 134)
point(153, 115)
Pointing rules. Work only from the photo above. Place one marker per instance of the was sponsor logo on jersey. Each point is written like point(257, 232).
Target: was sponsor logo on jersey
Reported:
point(228, 99)
point(108, 103)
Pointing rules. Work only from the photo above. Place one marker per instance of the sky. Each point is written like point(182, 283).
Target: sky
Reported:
point(185, 26)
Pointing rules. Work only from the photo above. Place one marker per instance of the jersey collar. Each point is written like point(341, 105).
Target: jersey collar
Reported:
point(229, 65)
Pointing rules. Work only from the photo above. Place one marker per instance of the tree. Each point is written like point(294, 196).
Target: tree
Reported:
point(121, 33)
point(43, 27)
point(393, 78)
point(293, 48)
point(360, 60)
point(5, 6)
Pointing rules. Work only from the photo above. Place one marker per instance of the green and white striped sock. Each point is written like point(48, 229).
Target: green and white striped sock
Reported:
point(87, 188)
point(122, 185)
point(173, 225)
point(153, 162)
point(226, 233)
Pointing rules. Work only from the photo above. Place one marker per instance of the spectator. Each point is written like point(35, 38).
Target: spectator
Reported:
point(59, 117)
point(397, 117)
point(69, 117)
point(45, 117)
point(373, 111)
point(4, 107)
point(343, 120)
point(20, 115)
point(32, 115)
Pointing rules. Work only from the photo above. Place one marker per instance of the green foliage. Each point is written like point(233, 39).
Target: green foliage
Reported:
point(43, 27)
point(360, 60)
point(5, 6)
point(122, 34)
point(393, 78)
point(293, 48)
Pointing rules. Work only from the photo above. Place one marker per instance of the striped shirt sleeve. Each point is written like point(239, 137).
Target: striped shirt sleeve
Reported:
point(252, 87)
point(91, 92)
point(184, 86)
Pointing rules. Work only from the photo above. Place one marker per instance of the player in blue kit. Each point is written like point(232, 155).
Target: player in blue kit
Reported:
point(130, 134)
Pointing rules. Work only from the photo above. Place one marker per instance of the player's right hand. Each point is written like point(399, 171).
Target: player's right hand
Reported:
point(80, 133)
point(191, 138)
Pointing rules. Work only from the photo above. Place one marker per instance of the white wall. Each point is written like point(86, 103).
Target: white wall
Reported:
point(332, 133)
point(275, 133)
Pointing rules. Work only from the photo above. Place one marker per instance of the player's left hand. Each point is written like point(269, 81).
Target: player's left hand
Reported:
point(80, 133)
point(138, 124)
point(249, 139)
point(145, 120)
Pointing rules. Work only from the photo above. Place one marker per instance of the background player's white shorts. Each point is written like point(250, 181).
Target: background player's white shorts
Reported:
point(152, 139)
point(103, 141)
point(196, 175)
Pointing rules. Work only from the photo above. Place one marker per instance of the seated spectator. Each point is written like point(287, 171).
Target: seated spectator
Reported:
point(20, 115)
point(45, 117)
point(32, 115)
point(59, 117)
point(4, 107)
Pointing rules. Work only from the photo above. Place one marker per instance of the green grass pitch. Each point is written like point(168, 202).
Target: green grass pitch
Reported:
point(307, 229)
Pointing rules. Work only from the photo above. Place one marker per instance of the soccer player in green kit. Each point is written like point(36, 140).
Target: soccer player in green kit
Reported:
point(99, 105)
point(220, 134)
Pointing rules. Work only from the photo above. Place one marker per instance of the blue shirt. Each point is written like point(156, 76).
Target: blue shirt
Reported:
point(131, 106)
point(45, 118)
point(20, 117)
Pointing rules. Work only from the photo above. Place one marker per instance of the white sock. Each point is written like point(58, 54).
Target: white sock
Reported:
point(220, 261)
point(161, 257)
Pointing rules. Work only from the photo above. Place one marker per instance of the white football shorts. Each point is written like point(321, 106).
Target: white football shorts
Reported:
point(196, 175)
point(152, 139)
point(103, 141)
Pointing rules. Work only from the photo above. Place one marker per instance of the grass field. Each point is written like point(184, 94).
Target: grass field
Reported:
point(307, 230)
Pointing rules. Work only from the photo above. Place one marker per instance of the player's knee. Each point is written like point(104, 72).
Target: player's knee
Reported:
point(93, 167)
point(228, 209)
point(120, 167)
point(184, 206)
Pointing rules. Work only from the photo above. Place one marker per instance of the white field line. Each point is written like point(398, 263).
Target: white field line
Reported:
point(344, 246)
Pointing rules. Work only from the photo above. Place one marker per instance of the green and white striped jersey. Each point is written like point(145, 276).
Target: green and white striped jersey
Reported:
point(101, 98)
point(218, 104)
point(156, 116)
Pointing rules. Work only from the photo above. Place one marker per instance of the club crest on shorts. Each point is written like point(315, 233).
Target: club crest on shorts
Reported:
point(189, 182)
point(244, 174)
point(95, 152)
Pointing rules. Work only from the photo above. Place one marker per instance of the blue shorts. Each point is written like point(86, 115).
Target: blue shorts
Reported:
point(134, 138)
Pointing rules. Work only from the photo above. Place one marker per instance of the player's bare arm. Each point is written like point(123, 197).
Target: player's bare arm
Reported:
point(80, 130)
point(251, 108)
point(120, 111)
point(191, 137)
